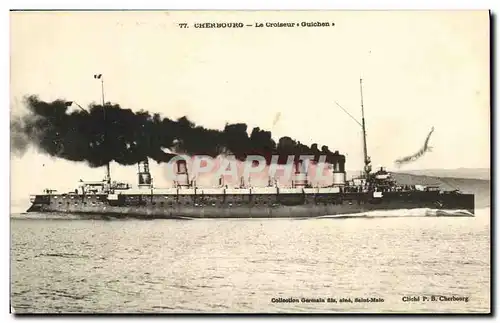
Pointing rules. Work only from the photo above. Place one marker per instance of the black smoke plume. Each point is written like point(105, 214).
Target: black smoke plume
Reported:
point(101, 134)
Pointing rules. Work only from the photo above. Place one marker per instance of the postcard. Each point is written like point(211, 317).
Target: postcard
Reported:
point(250, 162)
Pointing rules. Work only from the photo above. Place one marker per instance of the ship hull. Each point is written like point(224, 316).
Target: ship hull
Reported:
point(308, 207)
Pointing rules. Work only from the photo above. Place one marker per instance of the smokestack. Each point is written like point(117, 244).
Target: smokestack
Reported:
point(339, 175)
point(182, 176)
point(300, 176)
point(108, 174)
point(298, 166)
point(144, 176)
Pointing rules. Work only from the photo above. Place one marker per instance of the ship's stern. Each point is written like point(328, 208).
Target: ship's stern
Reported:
point(469, 203)
point(459, 201)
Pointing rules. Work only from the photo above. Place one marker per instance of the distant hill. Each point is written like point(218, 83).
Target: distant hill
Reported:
point(476, 173)
point(467, 180)
point(479, 187)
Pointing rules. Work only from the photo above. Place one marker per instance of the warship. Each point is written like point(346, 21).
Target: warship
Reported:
point(185, 200)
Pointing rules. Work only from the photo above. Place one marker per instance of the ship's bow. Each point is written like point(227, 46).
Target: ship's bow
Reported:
point(37, 203)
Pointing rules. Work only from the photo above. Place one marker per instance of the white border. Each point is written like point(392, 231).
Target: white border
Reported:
point(252, 4)
point(150, 4)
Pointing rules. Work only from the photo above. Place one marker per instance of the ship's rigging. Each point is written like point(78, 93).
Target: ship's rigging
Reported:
point(366, 159)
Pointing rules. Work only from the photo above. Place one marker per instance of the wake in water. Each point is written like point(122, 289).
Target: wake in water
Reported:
point(423, 212)
point(400, 213)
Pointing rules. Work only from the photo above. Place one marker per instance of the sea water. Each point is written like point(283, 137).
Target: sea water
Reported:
point(392, 264)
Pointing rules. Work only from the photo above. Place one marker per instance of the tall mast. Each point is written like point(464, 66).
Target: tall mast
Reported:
point(108, 171)
point(363, 126)
point(100, 77)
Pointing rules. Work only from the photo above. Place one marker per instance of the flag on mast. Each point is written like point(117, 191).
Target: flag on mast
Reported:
point(97, 76)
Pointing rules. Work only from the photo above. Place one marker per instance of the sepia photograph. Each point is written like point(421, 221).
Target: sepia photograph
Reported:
point(244, 162)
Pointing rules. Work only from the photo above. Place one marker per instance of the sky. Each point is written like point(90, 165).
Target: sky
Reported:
point(420, 70)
